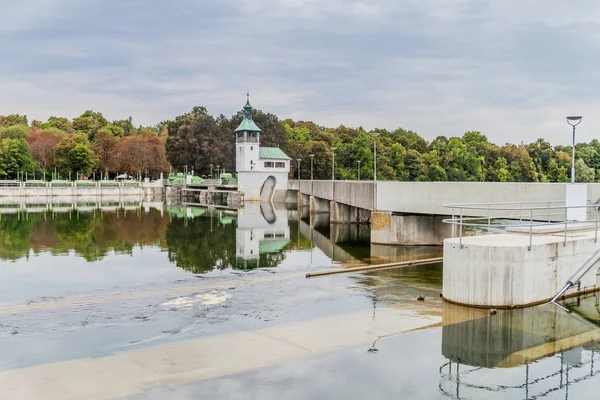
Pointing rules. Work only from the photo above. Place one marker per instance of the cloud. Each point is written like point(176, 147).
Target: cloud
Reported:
point(512, 69)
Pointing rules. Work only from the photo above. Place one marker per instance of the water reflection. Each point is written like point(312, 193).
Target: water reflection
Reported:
point(198, 239)
point(533, 352)
point(91, 231)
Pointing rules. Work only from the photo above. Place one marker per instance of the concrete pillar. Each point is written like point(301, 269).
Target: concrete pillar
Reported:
point(318, 205)
point(349, 233)
point(408, 230)
point(319, 220)
point(303, 199)
point(343, 213)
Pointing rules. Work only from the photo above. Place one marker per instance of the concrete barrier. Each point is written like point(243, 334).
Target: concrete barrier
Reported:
point(499, 271)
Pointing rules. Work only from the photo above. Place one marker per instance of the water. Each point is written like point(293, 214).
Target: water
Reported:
point(103, 283)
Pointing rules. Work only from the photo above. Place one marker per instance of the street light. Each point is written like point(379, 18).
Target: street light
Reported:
point(358, 162)
point(298, 159)
point(333, 149)
point(374, 136)
point(211, 175)
point(573, 121)
point(312, 156)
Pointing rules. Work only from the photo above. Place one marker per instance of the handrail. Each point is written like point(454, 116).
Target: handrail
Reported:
point(518, 214)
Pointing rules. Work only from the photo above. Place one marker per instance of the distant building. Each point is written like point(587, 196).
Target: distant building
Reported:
point(261, 170)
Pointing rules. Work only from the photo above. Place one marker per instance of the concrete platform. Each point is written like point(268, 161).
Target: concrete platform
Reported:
point(499, 271)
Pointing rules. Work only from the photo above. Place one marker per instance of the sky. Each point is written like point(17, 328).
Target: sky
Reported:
point(512, 69)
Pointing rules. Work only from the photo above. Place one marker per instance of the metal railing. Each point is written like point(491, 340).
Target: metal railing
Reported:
point(524, 217)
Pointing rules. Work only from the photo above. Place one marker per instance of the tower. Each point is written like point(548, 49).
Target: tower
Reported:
point(247, 142)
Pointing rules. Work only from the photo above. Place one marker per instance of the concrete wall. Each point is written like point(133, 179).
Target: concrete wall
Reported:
point(408, 230)
point(499, 270)
point(11, 192)
point(322, 189)
point(429, 197)
point(250, 183)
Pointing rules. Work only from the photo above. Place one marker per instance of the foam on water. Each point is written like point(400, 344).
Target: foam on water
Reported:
point(204, 299)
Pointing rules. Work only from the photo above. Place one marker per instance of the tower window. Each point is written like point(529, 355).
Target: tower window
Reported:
point(251, 148)
point(269, 164)
point(280, 164)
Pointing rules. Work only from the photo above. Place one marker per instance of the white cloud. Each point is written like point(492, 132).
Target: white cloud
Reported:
point(512, 69)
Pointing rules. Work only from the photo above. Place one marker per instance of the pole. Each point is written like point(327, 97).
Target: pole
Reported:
point(358, 175)
point(312, 156)
point(573, 158)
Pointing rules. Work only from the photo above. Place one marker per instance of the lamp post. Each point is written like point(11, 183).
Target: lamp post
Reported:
point(298, 159)
point(358, 170)
point(333, 149)
point(573, 121)
point(211, 175)
point(312, 156)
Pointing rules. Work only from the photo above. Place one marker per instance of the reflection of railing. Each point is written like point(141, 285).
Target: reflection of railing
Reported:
point(525, 217)
point(456, 380)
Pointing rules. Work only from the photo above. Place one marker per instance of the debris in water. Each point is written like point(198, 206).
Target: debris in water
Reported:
point(493, 311)
point(421, 298)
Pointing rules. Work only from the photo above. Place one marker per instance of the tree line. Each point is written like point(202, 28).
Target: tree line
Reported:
point(198, 140)
point(80, 147)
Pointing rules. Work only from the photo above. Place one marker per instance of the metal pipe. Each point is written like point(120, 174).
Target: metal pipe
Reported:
point(576, 277)
point(530, 228)
point(461, 228)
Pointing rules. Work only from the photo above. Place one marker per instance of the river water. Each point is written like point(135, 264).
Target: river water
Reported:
point(93, 285)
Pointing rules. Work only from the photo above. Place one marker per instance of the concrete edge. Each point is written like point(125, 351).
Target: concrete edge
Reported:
point(518, 306)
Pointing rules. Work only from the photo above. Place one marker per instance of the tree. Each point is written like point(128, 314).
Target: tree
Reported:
point(103, 147)
point(396, 161)
point(410, 140)
point(501, 170)
point(42, 145)
point(12, 119)
point(415, 166)
point(125, 125)
point(73, 155)
point(59, 123)
point(89, 123)
point(14, 158)
point(583, 173)
point(193, 141)
point(134, 154)
point(14, 132)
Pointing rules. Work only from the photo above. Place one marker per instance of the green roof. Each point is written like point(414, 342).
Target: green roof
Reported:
point(247, 125)
point(272, 153)
point(272, 245)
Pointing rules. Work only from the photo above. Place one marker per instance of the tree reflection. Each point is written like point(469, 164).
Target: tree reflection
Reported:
point(196, 240)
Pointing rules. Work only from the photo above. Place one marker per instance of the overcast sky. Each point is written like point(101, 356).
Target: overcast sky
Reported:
point(512, 69)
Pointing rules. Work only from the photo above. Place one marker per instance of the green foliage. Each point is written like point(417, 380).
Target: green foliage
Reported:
point(14, 132)
point(583, 173)
point(73, 155)
point(61, 123)
point(125, 126)
point(13, 119)
point(89, 123)
point(14, 158)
